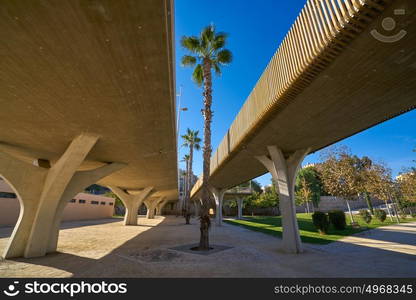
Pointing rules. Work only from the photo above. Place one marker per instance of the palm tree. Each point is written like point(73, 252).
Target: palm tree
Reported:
point(185, 182)
point(191, 140)
point(207, 53)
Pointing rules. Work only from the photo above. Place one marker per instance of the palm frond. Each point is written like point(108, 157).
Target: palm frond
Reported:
point(219, 40)
point(185, 157)
point(197, 75)
point(188, 60)
point(224, 57)
point(216, 68)
point(207, 36)
point(191, 43)
point(191, 139)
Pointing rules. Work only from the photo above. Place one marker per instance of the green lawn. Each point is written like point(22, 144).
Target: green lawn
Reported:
point(308, 233)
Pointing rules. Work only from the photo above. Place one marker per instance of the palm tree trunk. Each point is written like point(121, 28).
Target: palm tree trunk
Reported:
point(188, 192)
point(185, 188)
point(205, 220)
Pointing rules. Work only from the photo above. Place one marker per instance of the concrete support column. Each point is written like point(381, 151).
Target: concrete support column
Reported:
point(160, 206)
point(283, 171)
point(151, 207)
point(218, 196)
point(239, 208)
point(131, 202)
point(80, 181)
point(26, 181)
point(43, 194)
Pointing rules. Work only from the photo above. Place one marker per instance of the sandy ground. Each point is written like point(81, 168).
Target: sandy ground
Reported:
point(106, 248)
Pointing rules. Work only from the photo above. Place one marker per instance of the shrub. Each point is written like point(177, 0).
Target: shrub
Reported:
point(380, 215)
point(337, 218)
point(365, 215)
point(320, 221)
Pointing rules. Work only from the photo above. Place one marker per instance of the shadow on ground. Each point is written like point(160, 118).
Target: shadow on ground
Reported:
point(148, 254)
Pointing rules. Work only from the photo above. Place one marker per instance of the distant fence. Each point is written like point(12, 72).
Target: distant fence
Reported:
point(326, 204)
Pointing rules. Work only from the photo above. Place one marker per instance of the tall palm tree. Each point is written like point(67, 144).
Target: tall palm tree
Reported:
point(185, 183)
point(191, 140)
point(208, 53)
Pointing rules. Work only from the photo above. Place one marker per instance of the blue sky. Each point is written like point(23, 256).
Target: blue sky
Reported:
point(256, 30)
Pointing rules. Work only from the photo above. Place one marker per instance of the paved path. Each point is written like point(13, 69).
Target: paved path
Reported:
point(400, 238)
point(106, 248)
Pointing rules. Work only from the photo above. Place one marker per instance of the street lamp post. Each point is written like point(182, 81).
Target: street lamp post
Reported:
point(180, 109)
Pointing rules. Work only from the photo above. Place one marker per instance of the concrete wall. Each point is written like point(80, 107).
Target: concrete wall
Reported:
point(10, 209)
point(171, 208)
point(328, 203)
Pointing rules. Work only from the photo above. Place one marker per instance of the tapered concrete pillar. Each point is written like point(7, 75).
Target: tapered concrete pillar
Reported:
point(283, 172)
point(160, 206)
point(219, 197)
point(43, 193)
point(27, 182)
point(80, 181)
point(151, 205)
point(239, 208)
point(131, 202)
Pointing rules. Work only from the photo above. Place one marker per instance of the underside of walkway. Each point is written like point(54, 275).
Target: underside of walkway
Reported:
point(106, 248)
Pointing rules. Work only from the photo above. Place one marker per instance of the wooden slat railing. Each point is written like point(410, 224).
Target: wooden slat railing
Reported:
point(320, 33)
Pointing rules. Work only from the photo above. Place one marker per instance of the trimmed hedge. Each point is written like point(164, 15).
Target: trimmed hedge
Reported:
point(380, 215)
point(365, 215)
point(337, 219)
point(320, 221)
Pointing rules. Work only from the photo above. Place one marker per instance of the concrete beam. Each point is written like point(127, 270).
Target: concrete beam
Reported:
point(219, 197)
point(283, 172)
point(131, 202)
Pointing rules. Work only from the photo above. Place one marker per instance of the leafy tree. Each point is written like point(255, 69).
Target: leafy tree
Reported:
point(119, 208)
point(308, 187)
point(267, 199)
point(380, 184)
point(256, 186)
point(207, 53)
point(407, 185)
point(191, 141)
point(339, 175)
point(250, 201)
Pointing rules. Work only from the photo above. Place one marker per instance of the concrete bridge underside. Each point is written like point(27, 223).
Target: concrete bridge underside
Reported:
point(87, 93)
point(329, 79)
